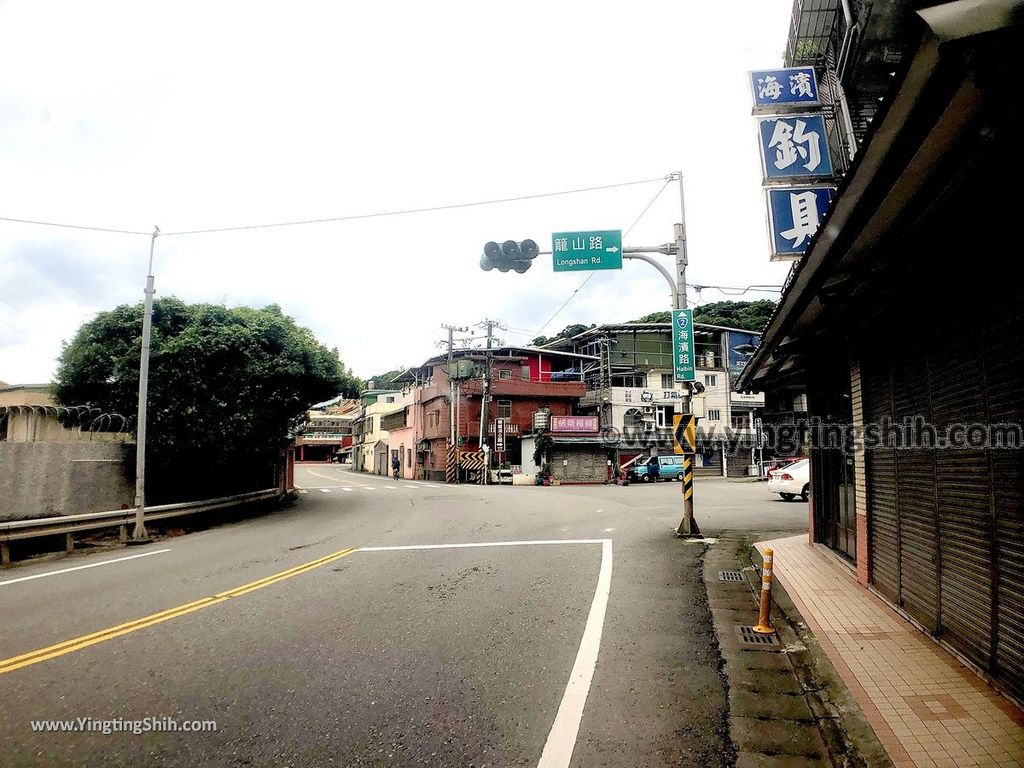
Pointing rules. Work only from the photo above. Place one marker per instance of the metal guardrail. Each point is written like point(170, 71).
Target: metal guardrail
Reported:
point(15, 530)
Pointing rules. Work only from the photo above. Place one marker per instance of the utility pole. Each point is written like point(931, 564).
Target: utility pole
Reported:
point(485, 396)
point(139, 535)
point(453, 394)
point(452, 386)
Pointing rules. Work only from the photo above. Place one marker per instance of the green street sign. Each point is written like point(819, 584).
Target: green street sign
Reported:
point(683, 358)
point(580, 251)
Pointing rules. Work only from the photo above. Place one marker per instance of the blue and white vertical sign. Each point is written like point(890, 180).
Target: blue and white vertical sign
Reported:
point(684, 358)
point(794, 147)
point(794, 215)
point(790, 87)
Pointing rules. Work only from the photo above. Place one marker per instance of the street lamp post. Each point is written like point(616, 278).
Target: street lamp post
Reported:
point(139, 535)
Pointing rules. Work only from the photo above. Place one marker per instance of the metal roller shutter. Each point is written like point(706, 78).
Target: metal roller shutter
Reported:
point(964, 502)
point(915, 468)
point(883, 521)
point(1004, 364)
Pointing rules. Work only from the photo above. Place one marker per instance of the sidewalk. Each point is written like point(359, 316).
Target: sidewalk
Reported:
point(926, 708)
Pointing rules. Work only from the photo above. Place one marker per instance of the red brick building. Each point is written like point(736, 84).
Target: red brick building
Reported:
point(523, 381)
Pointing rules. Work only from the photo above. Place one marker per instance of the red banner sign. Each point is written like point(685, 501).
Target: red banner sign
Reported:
point(574, 424)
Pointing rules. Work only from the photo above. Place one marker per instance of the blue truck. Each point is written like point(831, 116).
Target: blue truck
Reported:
point(656, 468)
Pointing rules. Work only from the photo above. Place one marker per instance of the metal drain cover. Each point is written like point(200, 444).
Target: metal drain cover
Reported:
point(730, 576)
point(748, 636)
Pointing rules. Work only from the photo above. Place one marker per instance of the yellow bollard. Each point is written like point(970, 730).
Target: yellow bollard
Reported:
point(764, 619)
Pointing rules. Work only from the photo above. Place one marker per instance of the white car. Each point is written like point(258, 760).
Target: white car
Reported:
point(791, 480)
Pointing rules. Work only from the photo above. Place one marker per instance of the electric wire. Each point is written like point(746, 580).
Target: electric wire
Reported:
point(408, 211)
point(351, 217)
point(588, 278)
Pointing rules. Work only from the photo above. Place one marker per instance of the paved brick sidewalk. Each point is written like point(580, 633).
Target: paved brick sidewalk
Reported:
point(926, 708)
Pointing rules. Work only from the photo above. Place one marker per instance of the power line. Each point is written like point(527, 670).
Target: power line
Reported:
point(407, 211)
point(352, 217)
point(591, 275)
point(736, 290)
point(74, 226)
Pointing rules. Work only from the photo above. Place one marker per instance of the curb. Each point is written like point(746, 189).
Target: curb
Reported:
point(787, 704)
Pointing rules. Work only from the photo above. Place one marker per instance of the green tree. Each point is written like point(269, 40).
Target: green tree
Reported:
point(566, 333)
point(226, 387)
point(748, 315)
point(383, 380)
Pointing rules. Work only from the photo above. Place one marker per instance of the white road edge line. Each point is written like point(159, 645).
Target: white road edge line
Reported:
point(83, 567)
point(561, 740)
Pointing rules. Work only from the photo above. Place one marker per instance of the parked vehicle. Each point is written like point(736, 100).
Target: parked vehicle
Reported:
point(792, 480)
point(657, 468)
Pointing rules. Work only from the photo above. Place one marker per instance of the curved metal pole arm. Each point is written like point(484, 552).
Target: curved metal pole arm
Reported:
point(655, 263)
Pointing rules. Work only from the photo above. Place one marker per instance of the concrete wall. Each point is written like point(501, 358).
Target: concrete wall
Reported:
point(44, 479)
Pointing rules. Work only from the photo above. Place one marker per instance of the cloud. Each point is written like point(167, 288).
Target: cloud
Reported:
point(208, 117)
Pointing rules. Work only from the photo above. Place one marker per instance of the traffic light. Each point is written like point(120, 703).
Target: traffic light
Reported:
point(509, 255)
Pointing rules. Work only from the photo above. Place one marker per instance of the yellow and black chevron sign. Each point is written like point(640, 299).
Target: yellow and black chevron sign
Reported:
point(684, 433)
point(471, 459)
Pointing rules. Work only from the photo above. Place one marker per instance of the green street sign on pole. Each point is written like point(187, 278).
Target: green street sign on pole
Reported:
point(579, 251)
point(683, 357)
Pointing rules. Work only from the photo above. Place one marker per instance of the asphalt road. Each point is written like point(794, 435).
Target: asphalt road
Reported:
point(311, 641)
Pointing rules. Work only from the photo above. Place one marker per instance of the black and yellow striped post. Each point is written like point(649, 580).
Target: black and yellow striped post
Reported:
point(451, 466)
point(684, 438)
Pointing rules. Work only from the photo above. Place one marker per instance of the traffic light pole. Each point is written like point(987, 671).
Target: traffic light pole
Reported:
point(687, 526)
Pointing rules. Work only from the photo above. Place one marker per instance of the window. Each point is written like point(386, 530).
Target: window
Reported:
point(710, 380)
point(525, 373)
point(667, 381)
point(714, 414)
point(433, 418)
point(504, 409)
point(633, 419)
point(505, 373)
point(740, 421)
point(630, 380)
point(408, 461)
point(663, 415)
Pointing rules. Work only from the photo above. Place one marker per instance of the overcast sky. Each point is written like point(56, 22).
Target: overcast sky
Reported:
point(193, 115)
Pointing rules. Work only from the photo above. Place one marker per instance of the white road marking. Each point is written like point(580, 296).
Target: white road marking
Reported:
point(599, 510)
point(389, 488)
point(561, 741)
point(325, 490)
point(303, 490)
point(608, 530)
point(369, 488)
point(483, 544)
point(347, 490)
point(83, 567)
point(410, 486)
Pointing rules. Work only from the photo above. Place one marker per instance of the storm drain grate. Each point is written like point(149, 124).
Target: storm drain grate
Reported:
point(748, 636)
point(730, 576)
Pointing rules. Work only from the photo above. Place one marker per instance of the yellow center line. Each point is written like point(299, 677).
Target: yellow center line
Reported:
point(78, 643)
